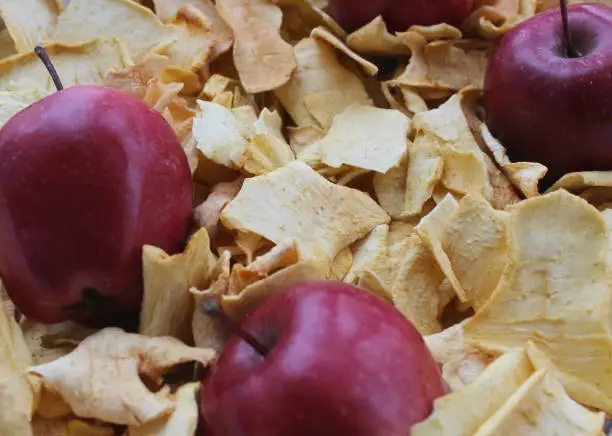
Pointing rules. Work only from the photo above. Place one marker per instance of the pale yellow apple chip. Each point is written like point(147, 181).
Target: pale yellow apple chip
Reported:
point(494, 18)
point(585, 182)
point(78, 64)
point(324, 34)
point(321, 86)
point(101, 378)
point(461, 362)
point(135, 78)
point(366, 137)
point(375, 39)
point(475, 242)
point(29, 21)
point(16, 397)
point(541, 406)
point(368, 252)
point(12, 102)
point(218, 134)
point(341, 265)
point(167, 302)
point(555, 291)
point(437, 32)
point(296, 202)
point(263, 59)
point(182, 421)
point(193, 44)
point(268, 149)
point(238, 306)
point(135, 25)
point(207, 214)
point(462, 412)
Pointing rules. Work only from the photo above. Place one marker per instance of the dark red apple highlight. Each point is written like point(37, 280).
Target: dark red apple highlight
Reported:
point(341, 361)
point(88, 176)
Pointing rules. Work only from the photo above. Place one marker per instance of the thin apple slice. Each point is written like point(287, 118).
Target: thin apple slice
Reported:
point(492, 19)
point(324, 34)
point(36, 25)
point(101, 378)
point(555, 291)
point(375, 39)
point(12, 102)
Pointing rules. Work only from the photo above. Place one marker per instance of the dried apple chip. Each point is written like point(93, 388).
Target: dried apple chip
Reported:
point(462, 412)
point(167, 302)
point(263, 59)
point(368, 252)
point(208, 213)
point(12, 102)
point(37, 24)
point(7, 47)
point(555, 291)
point(541, 406)
point(268, 149)
point(321, 87)
point(135, 25)
point(494, 18)
point(182, 421)
point(475, 242)
point(296, 202)
point(78, 64)
point(330, 38)
point(135, 78)
point(375, 39)
point(366, 137)
point(100, 379)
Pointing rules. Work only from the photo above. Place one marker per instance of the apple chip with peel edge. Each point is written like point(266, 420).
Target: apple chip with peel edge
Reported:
point(462, 412)
point(555, 291)
point(101, 378)
point(36, 25)
point(135, 25)
point(295, 202)
point(182, 421)
point(77, 64)
point(167, 302)
point(263, 59)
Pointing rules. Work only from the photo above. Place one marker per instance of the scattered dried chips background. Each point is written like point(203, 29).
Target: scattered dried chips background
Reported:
point(313, 159)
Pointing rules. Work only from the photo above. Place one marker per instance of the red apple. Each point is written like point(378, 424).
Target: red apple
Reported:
point(546, 106)
point(399, 15)
point(88, 176)
point(341, 362)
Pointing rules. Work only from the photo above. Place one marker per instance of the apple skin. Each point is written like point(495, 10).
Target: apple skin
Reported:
point(342, 362)
point(399, 15)
point(88, 176)
point(548, 108)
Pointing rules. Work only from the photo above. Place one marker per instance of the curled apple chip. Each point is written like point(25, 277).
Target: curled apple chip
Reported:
point(94, 58)
point(366, 137)
point(585, 182)
point(321, 87)
point(135, 78)
point(463, 412)
point(263, 59)
point(324, 34)
point(435, 32)
point(27, 29)
point(494, 18)
point(294, 202)
point(138, 28)
point(268, 150)
point(375, 39)
point(208, 213)
point(101, 378)
point(17, 402)
point(182, 421)
point(475, 242)
point(12, 102)
point(460, 361)
point(555, 292)
point(341, 265)
point(368, 252)
point(541, 406)
point(167, 279)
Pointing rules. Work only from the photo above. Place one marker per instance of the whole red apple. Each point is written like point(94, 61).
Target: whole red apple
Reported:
point(88, 176)
point(549, 107)
point(399, 15)
point(341, 362)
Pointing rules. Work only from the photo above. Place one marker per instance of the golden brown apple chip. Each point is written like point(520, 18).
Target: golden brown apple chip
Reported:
point(321, 86)
point(263, 59)
point(341, 265)
point(78, 64)
point(7, 46)
point(70, 427)
point(295, 202)
point(437, 32)
point(555, 291)
point(366, 137)
point(462, 412)
point(207, 214)
point(541, 406)
point(475, 242)
point(461, 362)
point(37, 24)
point(101, 378)
point(324, 34)
point(12, 102)
point(135, 25)
point(182, 421)
point(494, 18)
point(375, 39)
point(135, 78)
point(167, 303)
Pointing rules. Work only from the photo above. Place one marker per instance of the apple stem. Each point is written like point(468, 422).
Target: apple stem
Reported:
point(44, 57)
point(211, 308)
point(570, 50)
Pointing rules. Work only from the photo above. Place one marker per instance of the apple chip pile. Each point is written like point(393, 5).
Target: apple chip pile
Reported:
point(314, 159)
